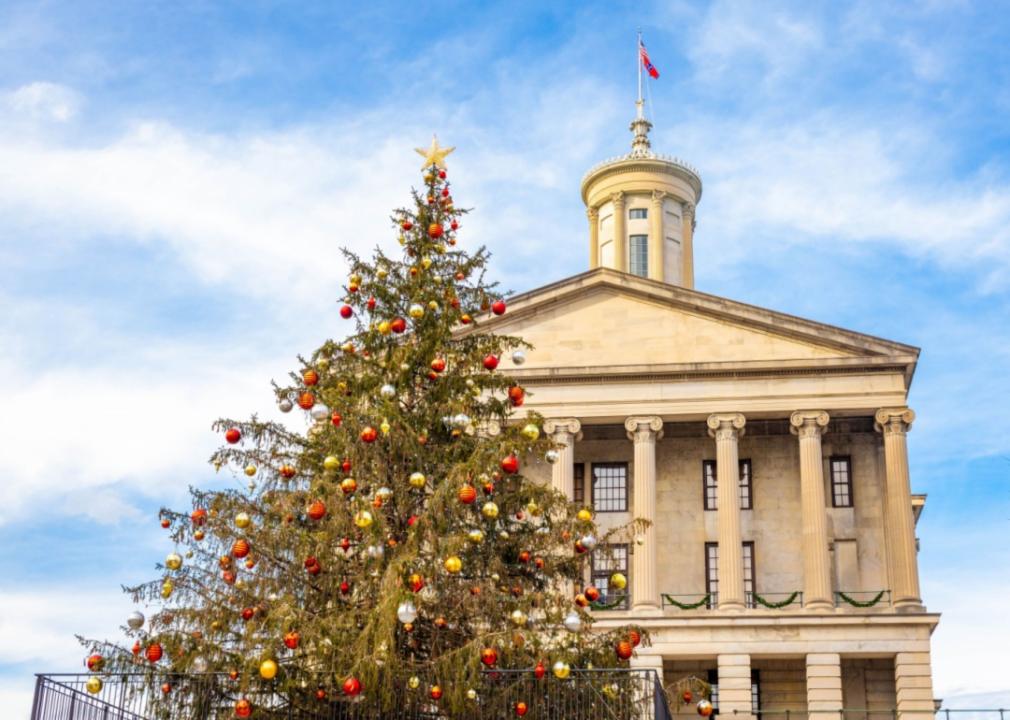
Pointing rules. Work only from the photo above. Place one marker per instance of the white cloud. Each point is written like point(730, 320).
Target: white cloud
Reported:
point(44, 100)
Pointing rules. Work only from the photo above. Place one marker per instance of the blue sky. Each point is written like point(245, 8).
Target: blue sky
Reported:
point(176, 180)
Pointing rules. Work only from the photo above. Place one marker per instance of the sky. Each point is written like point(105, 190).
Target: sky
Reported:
point(176, 180)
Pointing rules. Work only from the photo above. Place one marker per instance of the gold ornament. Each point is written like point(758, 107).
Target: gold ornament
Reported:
point(414, 682)
point(561, 670)
point(166, 589)
point(384, 427)
point(490, 510)
point(416, 311)
point(433, 306)
point(385, 328)
point(533, 509)
point(268, 669)
point(381, 273)
point(417, 480)
point(435, 155)
point(518, 618)
point(531, 431)
point(618, 581)
point(453, 564)
point(250, 470)
point(363, 519)
point(426, 262)
point(242, 520)
point(94, 685)
point(471, 694)
point(331, 463)
point(476, 535)
point(173, 561)
point(585, 515)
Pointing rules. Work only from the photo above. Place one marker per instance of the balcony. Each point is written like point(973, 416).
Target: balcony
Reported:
point(632, 694)
point(858, 600)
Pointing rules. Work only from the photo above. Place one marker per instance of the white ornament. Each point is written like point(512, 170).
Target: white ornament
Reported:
point(406, 613)
point(572, 622)
point(199, 664)
point(387, 391)
point(320, 412)
point(375, 551)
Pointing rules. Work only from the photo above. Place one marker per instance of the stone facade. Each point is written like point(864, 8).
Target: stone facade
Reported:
point(665, 384)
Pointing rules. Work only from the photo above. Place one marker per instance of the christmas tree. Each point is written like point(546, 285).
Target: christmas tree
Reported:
point(394, 555)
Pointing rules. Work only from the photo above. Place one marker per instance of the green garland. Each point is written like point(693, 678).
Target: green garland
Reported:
point(688, 606)
point(862, 604)
point(775, 605)
point(601, 605)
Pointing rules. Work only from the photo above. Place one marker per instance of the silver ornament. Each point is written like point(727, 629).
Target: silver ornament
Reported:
point(375, 551)
point(387, 391)
point(319, 412)
point(461, 420)
point(135, 620)
point(588, 541)
point(285, 405)
point(518, 357)
point(406, 613)
point(199, 664)
point(572, 622)
point(551, 456)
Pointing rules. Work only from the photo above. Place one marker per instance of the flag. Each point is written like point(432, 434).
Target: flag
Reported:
point(646, 63)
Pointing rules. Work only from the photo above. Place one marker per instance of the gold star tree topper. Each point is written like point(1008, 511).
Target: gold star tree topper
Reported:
point(435, 155)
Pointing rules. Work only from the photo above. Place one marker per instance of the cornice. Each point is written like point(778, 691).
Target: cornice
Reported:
point(666, 164)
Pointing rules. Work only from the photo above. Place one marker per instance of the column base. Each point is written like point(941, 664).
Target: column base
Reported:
point(819, 606)
point(732, 606)
point(647, 610)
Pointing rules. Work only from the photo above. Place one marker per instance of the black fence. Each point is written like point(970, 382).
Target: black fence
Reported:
point(585, 695)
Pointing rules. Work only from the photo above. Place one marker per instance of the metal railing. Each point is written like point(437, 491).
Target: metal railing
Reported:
point(633, 694)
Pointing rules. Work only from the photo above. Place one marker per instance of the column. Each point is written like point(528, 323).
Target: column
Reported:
point(903, 564)
point(594, 237)
point(687, 241)
point(565, 432)
point(644, 431)
point(620, 233)
point(913, 684)
point(657, 242)
point(808, 426)
point(824, 686)
point(734, 686)
point(727, 428)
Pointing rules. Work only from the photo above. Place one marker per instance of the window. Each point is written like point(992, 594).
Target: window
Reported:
point(638, 213)
point(610, 487)
point(710, 486)
point(841, 482)
point(606, 561)
point(712, 572)
point(639, 251)
point(580, 484)
point(755, 690)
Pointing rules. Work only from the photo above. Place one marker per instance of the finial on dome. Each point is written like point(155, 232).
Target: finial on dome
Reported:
point(640, 145)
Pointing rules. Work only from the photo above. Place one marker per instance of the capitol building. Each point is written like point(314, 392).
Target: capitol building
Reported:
point(767, 451)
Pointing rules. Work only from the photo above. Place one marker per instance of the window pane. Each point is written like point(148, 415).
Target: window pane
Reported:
point(580, 484)
point(746, 498)
point(605, 561)
point(712, 569)
point(841, 482)
point(748, 572)
point(610, 487)
point(639, 255)
point(708, 480)
point(638, 213)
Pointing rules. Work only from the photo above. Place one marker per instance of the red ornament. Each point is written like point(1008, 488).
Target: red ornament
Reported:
point(623, 649)
point(438, 364)
point(352, 686)
point(166, 523)
point(154, 652)
point(489, 656)
point(441, 174)
point(540, 670)
point(312, 565)
point(411, 521)
point(345, 587)
point(635, 637)
point(369, 434)
point(229, 577)
point(94, 663)
point(287, 472)
point(310, 377)
point(436, 692)
point(398, 325)
point(687, 697)
point(346, 465)
point(465, 319)
point(371, 303)
point(198, 517)
point(539, 562)
point(579, 547)
point(454, 225)
point(524, 556)
point(521, 708)
point(416, 582)
point(291, 639)
point(136, 648)
point(346, 311)
point(345, 544)
point(467, 494)
point(306, 400)
point(498, 307)
point(406, 225)
point(233, 435)
point(247, 614)
point(243, 708)
point(320, 694)
point(240, 548)
point(591, 593)
point(517, 395)
point(233, 674)
point(510, 464)
point(316, 510)
point(336, 419)
point(490, 362)
point(435, 230)
point(166, 688)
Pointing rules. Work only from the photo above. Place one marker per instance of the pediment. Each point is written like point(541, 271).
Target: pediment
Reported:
point(607, 319)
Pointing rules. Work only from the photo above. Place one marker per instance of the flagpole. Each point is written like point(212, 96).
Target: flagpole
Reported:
point(638, 58)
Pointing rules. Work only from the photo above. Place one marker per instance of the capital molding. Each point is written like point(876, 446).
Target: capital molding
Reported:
point(593, 213)
point(617, 198)
point(644, 427)
point(658, 196)
point(563, 426)
point(808, 423)
point(688, 210)
point(894, 420)
point(726, 426)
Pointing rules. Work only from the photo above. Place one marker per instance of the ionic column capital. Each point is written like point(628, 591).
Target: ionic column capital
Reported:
point(563, 426)
point(644, 427)
point(658, 196)
point(808, 423)
point(688, 210)
point(617, 198)
point(894, 420)
point(726, 426)
point(593, 213)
